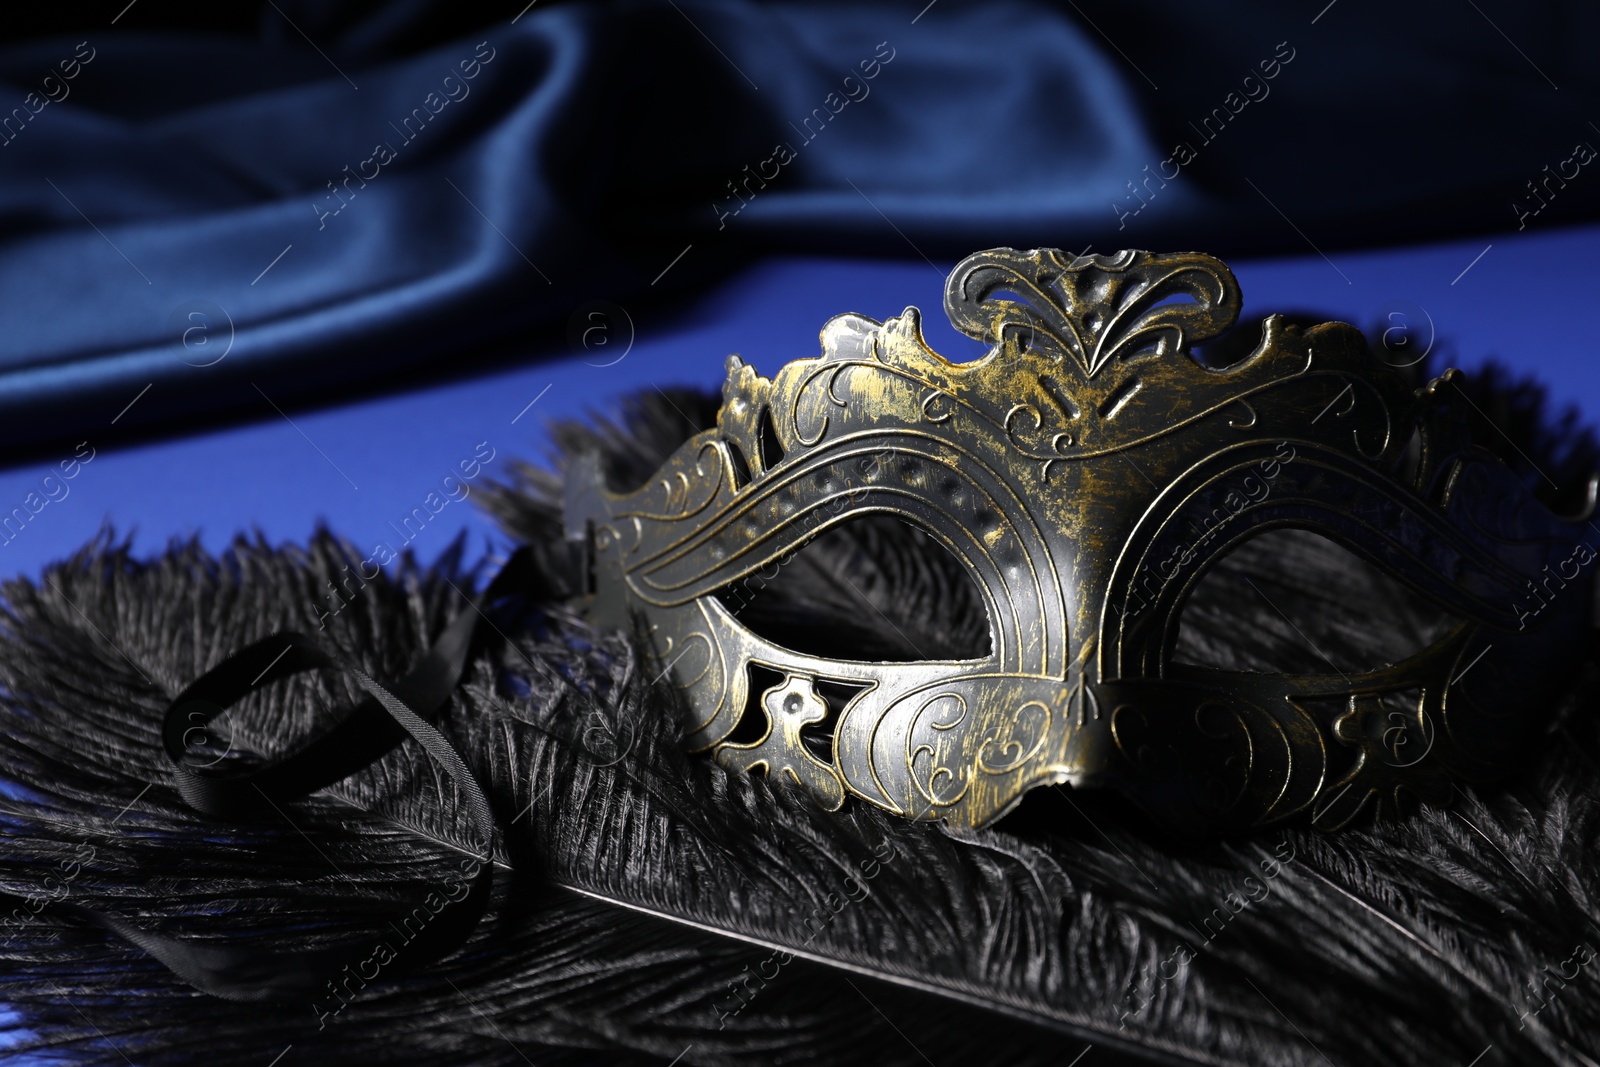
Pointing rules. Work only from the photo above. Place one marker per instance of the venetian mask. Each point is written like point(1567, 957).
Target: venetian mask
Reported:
point(1087, 472)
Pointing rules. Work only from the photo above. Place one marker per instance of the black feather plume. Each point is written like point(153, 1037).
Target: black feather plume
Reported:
point(652, 905)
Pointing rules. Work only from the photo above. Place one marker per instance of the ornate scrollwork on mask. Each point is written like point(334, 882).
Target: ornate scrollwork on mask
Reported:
point(781, 752)
point(1086, 472)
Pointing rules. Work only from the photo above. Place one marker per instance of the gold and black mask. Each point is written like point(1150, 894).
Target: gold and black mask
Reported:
point(1087, 472)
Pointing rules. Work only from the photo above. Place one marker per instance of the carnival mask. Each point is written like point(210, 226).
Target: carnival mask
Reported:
point(1086, 473)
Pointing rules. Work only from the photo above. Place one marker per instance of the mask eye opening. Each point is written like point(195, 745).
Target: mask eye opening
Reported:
point(1292, 601)
point(873, 588)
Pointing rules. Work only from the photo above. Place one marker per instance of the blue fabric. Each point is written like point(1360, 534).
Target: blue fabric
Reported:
point(364, 467)
point(175, 198)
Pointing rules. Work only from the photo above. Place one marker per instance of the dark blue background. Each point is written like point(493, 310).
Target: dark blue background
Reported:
point(283, 478)
point(171, 208)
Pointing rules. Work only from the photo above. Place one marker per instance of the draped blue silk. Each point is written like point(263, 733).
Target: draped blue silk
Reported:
point(337, 203)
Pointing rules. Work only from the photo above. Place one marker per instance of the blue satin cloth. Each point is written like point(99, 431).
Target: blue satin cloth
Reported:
point(198, 225)
point(363, 468)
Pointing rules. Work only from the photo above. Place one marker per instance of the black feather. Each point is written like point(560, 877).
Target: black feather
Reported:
point(1411, 940)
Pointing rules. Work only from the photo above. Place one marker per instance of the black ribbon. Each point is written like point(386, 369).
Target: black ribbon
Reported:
point(383, 720)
